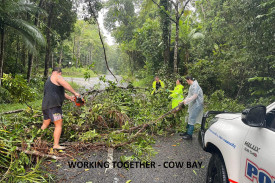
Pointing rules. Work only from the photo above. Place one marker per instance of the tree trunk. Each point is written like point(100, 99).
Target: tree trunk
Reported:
point(186, 59)
point(176, 48)
point(90, 57)
point(48, 46)
point(176, 21)
point(36, 64)
point(170, 30)
point(165, 23)
point(61, 55)
point(30, 59)
point(2, 32)
point(23, 58)
point(17, 54)
point(77, 54)
point(176, 39)
point(31, 56)
point(30, 63)
point(130, 60)
point(73, 49)
point(86, 59)
point(52, 60)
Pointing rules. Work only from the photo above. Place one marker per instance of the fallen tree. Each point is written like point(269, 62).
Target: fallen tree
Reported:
point(111, 118)
point(87, 145)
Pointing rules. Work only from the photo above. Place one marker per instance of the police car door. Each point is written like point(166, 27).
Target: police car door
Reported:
point(258, 152)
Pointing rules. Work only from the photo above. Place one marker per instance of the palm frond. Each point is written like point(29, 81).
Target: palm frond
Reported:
point(198, 35)
point(191, 33)
point(31, 32)
point(23, 7)
point(30, 46)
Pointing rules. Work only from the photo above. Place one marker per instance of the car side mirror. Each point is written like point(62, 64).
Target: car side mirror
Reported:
point(254, 116)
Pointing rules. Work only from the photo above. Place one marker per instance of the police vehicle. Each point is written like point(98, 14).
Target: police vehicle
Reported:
point(242, 145)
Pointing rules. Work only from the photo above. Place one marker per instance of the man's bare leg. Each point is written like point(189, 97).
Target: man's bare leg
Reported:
point(46, 123)
point(57, 134)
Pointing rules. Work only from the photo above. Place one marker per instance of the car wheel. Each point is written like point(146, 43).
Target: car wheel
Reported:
point(216, 172)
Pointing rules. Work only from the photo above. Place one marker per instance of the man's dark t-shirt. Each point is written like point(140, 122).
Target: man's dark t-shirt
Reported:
point(53, 95)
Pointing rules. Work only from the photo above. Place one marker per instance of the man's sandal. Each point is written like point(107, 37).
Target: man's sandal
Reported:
point(60, 148)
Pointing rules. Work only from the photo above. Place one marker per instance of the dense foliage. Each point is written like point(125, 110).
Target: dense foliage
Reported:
point(220, 44)
point(225, 45)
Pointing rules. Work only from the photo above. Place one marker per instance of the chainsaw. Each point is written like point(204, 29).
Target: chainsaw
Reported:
point(79, 101)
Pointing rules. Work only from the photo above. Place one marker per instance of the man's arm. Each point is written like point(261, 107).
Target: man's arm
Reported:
point(69, 97)
point(190, 99)
point(66, 85)
point(195, 95)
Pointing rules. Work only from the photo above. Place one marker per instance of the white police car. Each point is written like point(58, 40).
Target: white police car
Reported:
point(242, 145)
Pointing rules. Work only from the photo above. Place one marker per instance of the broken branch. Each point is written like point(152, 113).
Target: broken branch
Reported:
point(37, 153)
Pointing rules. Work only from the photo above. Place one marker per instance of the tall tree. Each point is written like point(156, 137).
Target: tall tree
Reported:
point(60, 24)
point(238, 45)
point(165, 24)
point(179, 8)
point(187, 34)
point(9, 18)
point(50, 6)
point(121, 19)
point(31, 55)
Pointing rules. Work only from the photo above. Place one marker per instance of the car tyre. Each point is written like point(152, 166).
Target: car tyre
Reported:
point(216, 172)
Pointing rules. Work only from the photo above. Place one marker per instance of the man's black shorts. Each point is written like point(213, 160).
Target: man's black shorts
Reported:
point(54, 114)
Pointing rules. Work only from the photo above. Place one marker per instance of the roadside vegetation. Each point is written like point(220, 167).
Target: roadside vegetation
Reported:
point(77, 72)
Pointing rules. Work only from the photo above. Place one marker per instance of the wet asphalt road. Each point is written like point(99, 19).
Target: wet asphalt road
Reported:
point(92, 82)
point(171, 150)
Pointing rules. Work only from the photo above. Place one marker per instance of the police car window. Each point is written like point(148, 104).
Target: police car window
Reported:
point(270, 120)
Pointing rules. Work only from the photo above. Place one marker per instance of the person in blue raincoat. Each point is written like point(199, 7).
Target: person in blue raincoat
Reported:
point(177, 94)
point(194, 100)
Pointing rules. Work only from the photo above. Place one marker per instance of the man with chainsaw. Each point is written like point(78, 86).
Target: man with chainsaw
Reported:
point(54, 95)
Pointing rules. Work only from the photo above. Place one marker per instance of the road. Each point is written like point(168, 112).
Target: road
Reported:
point(172, 151)
point(94, 82)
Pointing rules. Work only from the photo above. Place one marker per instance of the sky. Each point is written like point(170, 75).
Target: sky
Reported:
point(109, 39)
